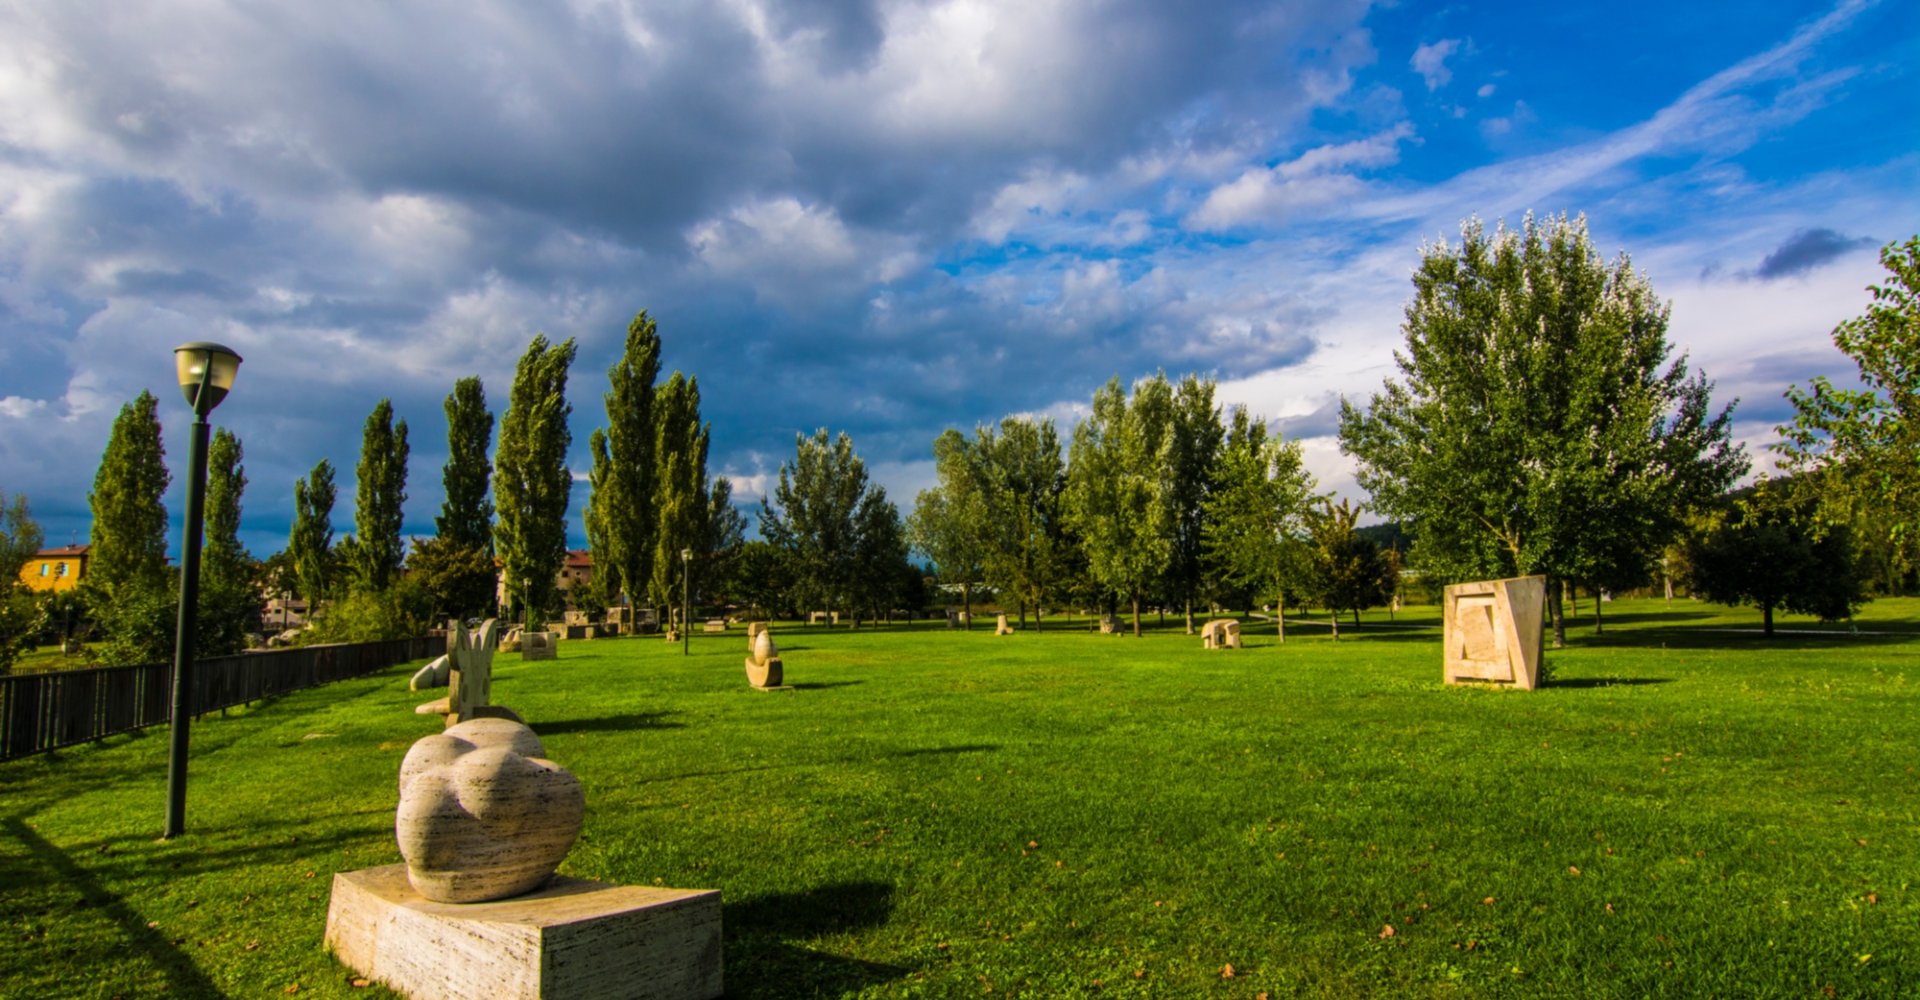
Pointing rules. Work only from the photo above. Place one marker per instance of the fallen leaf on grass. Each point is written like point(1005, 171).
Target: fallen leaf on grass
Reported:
point(252, 946)
point(359, 982)
point(1226, 971)
point(1386, 932)
point(1573, 870)
point(1487, 901)
point(1873, 899)
point(291, 990)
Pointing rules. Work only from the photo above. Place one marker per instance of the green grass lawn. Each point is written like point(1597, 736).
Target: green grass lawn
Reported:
point(1685, 811)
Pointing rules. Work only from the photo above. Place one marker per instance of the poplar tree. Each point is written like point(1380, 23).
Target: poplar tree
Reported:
point(380, 493)
point(622, 502)
point(531, 482)
point(466, 512)
point(679, 483)
point(129, 536)
point(1191, 459)
point(310, 541)
point(1540, 426)
point(1255, 515)
point(223, 560)
point(1118, 498)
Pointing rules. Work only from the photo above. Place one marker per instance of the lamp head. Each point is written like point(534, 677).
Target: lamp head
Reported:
point(206, 373)
point(686, 554)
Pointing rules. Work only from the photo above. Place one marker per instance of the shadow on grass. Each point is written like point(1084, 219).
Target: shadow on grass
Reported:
point(1604, 682)
point(183, 976)
point(822, 685)
point(931, 751)
point(766, 955)
point(1736, 638)
point(605, 724)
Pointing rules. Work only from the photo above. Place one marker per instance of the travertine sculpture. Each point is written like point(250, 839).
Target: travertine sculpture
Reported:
point(1000, 626)
point(433, 675)
point(1492, 631)
point(483, 814)
point(764, 669)
point(467, 673)
point(1221, 633)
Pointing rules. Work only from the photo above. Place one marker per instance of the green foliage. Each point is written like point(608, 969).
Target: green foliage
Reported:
point(817, 515)
point(531, 482)
point(224, 562)
point(466, 514)
point(1764, 552)
point(20, 537)
point(762, 579)
point(1539, 427)
point(22, 619)
point(879, 556)
point(401, 611)
point(1118, 497)
point(1856, 452)
point(1025, 480)
point(380, 493)
point(620, 510)
point(1347, 571)
point(138, 623)
point(129, 535)
point(950, 522)
point(1192, 457)
point(726, 530)
point(310, 540)
point(679, 484)
point(1255, 514)
point(458, 579)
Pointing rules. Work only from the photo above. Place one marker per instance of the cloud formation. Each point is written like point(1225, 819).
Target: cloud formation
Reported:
point(1806, 250)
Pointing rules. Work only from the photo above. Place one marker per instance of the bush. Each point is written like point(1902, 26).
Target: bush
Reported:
point(402, 611)
point(137, 622)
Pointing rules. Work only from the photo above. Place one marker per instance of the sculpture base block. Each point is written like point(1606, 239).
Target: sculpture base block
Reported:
point(571, 939)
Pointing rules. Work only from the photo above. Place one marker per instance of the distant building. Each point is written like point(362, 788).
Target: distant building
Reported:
point(56, 569)
point(576, 571)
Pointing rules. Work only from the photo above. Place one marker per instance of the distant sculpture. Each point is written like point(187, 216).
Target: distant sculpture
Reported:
point(483, 814)
point(467, 673)
point(539, 646)
point(1492, 631)
point(764, 669)
point(1221, 633)
point(1000, 626)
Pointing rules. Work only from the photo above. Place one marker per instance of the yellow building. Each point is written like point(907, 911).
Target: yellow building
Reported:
point(55, 569)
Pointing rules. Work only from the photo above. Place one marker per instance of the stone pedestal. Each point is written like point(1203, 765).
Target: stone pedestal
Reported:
point(571, 939)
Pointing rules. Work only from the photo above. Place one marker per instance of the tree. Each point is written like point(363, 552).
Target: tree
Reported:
point(129, 536)
point(679, 484)
point(1256, 513)
point(380, 493)
point(879, 552)
point(1192, 455)
point(1764, 552)
point(726, 530)
point(811, 517)
point(457, 578)
point(224, 562)
point(1857, 450)
point(621, 507)
point(1023, 479)
point(949, 521)
point(466, 513)
point(531, 482)
point(1347, 570)
point(20, 538)
point(761, 578)
point(1536, 429)
point(310, 540)
point(1117, 493)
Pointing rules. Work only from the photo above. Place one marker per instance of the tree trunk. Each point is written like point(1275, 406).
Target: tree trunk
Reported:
point(1596, 612)
point(1023, 615)
point(1556, 611)
point(1334, 617)
point(1766, 619)
point(1189, 615)
point(1280, 617)
point(1356, 619)
point(966, 601)
point(1136, 616)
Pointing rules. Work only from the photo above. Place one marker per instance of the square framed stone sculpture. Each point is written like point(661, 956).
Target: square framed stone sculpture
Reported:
point(1492, 631)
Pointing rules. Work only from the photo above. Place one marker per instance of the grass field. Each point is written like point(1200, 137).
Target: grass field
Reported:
point(1686, 811)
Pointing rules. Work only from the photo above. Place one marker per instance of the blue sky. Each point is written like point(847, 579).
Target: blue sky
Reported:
point(887, 217)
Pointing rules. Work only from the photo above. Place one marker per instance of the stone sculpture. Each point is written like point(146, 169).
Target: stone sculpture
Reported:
point(764, 669)
point(1000, 626)
point(539, 646)
point(467, 672)
point(753, 632)
point(1221, 633)
point(483, 814)
point(433, 675)
point(1492, 631)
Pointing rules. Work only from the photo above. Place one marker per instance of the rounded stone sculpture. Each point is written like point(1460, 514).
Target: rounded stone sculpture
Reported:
point(764, 669)
point(483, 814)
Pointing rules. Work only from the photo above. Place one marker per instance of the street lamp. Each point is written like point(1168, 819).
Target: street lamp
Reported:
point(206, 374)
point(686, 612)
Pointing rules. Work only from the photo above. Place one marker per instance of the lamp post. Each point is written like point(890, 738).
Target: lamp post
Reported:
point(206, 374)
point(686, 611)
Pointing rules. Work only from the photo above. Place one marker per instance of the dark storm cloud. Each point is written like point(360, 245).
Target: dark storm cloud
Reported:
point(1806, 250)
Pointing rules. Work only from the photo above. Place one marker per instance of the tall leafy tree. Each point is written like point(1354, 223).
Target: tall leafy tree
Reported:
point(1857, 451)
point(1118, 496)
point(605, 587)
point(1347, 571)
point(224, 562)
point(811, 517)
point(129, 536)
point(950, 521)
point(531, 482)
point(466, 512)
point(1540, 426)
point(624, 465)
point(1255, 514)
point(1024, 477)
point(458, 578)
point(380, 493)
point(310, 541)
point(1765, 552)
point(879, 553)
point(1193, 452)
point(726, 531)
point(679, 483)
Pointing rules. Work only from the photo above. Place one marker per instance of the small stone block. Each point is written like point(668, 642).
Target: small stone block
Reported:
point(572, 940)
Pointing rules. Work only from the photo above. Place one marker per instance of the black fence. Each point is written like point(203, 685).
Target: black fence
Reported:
point(41, 712)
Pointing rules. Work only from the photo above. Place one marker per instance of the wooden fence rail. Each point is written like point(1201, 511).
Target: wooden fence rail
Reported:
point(46, 711)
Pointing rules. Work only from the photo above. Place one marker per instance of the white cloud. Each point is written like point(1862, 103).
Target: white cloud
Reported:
point(1430, 61)
point(1311, 181)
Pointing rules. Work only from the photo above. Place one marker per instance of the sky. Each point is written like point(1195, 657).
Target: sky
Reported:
point(887, 217)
